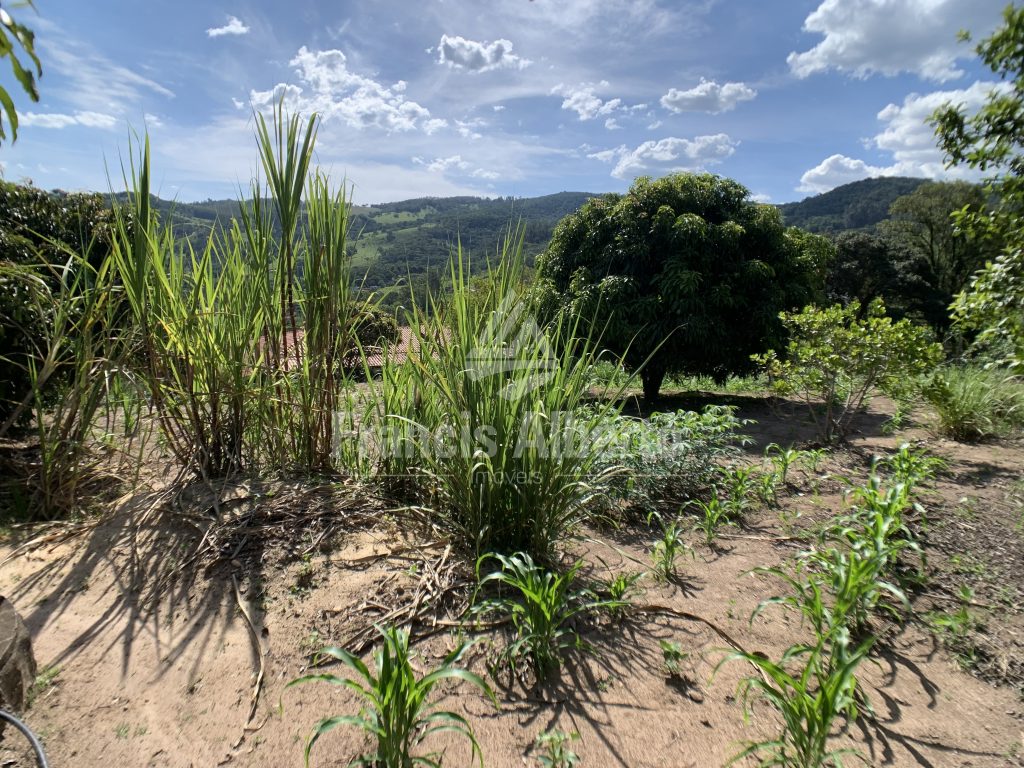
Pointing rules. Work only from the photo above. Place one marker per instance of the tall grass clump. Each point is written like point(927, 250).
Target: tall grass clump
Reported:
point(484, 421)
point(973, 404)
point(76, 345)
point(242, 342)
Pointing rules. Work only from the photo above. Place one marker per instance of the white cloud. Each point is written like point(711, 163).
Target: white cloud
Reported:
point(669, 154)
point(761, 197)
point(837, 170)
point(612, 124)
point(57, 120)
point(584, 102)
point(331, 89)
point(481, 173)
point(865, 37)
point(709, 96)
point(152, 121)
point(459, 53)
point(908, 137)
point(93, 82)
point(498, 107)
point(467, 129)
point(233, 27)
point(442, 164)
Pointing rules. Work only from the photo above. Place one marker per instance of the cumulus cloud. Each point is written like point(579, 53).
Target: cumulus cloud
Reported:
point(331, 89)
point(837, 170)
point(455, 163)
point(459, 53)
point(442, 164)
point(865, 37)
point(233, 27)
point(467, 129)
point(907, 136)
point(57, 120)
point(583, 99)
point(669, 154)
point(708, 96)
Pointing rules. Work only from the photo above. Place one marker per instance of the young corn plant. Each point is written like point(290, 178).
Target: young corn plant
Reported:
point(740, 484)
point(620, 590)
point(811, 687)
point(542, 606)
point(782, 459)
point(713, 515)
point(396, 713)
point(911, 468)
point(669, 547)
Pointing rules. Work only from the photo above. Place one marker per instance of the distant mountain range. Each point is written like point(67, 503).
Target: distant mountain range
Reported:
point(393, 240)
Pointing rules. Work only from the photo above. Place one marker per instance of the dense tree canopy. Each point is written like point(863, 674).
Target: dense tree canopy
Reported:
point(992, 140)
point(944, 256)
point(685, 273)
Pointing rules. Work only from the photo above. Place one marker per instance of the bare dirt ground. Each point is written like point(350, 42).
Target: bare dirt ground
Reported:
point(141, 670)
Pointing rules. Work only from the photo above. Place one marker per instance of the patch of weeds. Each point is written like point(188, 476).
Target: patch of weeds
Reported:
point(968, 564)
point(311, 643)
point(956, 630)
point(305, 578)
point(554, 748)
point(123, 731)
point(44, 681)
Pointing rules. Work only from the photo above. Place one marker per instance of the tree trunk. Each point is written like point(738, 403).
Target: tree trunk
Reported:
point(652, 376)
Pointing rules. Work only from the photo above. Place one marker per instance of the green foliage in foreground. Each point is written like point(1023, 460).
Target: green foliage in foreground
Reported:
point(396, 713)
point(810, 687)
point(681, 274)
point(835, 359)
point(12, 32)
point(990, 140)
point(973, 404)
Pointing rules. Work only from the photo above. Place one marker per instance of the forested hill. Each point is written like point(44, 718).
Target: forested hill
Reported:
point(859, 205)
point(393, 240)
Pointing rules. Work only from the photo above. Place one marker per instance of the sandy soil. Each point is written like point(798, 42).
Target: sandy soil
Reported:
point(134, 678)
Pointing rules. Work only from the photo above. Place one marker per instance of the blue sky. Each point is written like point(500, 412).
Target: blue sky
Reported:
point(502, 97)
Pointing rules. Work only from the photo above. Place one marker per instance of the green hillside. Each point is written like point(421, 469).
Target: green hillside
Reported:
point(859, 205)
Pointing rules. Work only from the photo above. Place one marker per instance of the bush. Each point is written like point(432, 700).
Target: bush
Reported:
point(837, 357)
point(668, 458)
point(973, 404)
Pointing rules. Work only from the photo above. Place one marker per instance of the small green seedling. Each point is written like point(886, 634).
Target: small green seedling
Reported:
point(556, 752)
point(714, 514)
point(668, 548)
point(673, 656)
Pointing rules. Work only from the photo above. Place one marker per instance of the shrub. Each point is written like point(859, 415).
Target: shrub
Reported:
point(668, 458)
point(973, 404)
point(836, 358)
point(395, 712)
